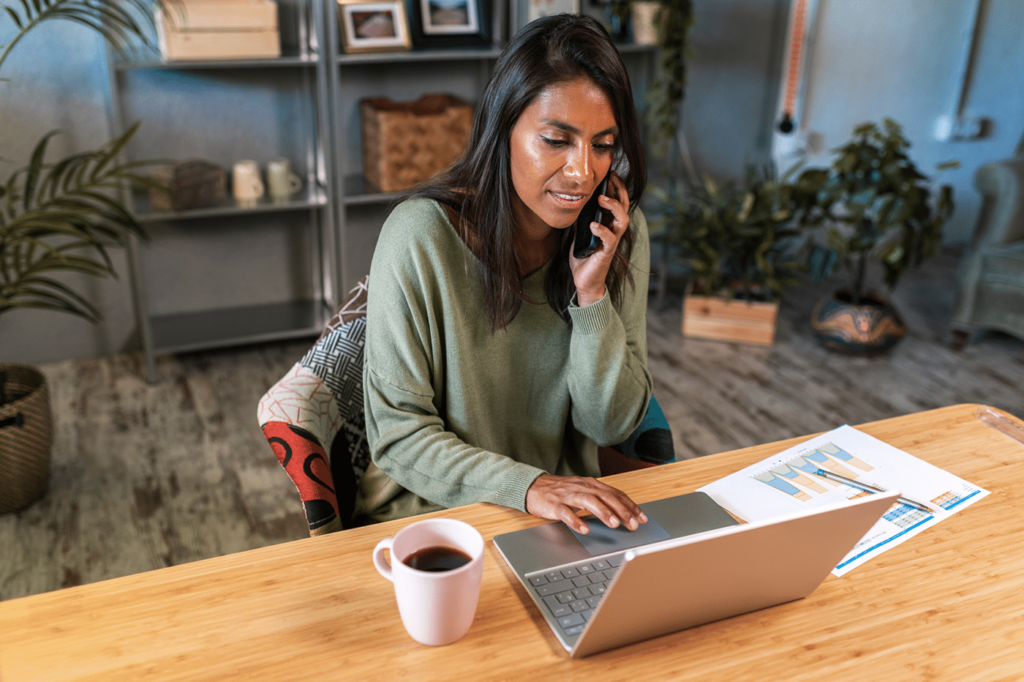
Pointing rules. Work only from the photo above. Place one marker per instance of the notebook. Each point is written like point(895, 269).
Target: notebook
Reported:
point(690, 564)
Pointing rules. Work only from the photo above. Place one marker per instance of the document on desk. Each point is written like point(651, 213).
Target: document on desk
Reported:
point(786, 483)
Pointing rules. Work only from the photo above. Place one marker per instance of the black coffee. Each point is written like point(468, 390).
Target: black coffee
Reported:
point(436, 559)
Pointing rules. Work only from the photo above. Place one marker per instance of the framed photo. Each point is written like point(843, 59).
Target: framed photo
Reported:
point(535, 9)
point(530, 10)
point(526, 11)
point(373, 26)
point(451, 23)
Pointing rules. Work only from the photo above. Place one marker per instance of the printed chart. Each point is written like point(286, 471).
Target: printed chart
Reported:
point(788, 482)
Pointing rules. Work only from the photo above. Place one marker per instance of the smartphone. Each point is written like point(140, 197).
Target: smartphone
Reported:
point(586, 242)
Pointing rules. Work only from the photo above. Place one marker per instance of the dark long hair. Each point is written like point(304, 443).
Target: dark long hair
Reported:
point(479, 187)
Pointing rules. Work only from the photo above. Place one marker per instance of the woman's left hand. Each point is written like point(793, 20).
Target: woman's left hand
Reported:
point(590, 273)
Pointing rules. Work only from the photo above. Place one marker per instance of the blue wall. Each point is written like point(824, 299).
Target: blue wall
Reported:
point(870, 59)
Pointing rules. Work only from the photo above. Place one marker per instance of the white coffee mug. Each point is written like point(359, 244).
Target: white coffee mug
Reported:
point(282, 183)
point(437, 606)
point(246, 185)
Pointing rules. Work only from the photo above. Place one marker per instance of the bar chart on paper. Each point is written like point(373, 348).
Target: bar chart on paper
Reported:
point(787, 483)
point(795, 476)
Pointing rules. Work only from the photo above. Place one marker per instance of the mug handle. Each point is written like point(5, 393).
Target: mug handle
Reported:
point(257, 186)
point(383, 567)
point(295, 182)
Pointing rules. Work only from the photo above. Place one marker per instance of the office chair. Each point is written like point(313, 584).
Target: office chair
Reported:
point(314, 422)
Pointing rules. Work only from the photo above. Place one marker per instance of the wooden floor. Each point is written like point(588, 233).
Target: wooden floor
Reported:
point(146, 476)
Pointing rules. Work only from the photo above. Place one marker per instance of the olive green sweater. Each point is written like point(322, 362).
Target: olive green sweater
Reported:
point(456, 414)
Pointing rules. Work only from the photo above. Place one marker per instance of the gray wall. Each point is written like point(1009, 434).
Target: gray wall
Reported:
point(733, 83)
point(872, 58)
point(876, 58)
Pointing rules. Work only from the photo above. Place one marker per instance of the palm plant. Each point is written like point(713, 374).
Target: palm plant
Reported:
point(64, 215)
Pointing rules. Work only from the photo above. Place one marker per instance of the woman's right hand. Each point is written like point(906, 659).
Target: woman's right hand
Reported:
point(557, 498)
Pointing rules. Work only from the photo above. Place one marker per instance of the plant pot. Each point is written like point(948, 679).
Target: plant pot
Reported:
point(643, 16)
point(713, 317)
point(870, 327)
point(26, 435)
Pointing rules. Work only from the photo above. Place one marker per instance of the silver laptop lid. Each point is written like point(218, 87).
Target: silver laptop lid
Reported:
point(693, 580)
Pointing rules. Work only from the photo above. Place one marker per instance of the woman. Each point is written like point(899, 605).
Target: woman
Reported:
point(495, 362)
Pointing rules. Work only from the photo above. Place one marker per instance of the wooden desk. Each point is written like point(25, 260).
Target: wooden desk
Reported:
point(946, 605)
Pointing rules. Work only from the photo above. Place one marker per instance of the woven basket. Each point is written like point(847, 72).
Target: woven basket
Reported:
point(26, 434)
point(408, 142)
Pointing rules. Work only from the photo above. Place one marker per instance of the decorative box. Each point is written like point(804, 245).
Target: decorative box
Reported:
point(218, 29)
point(193, 184)
point(408, 142)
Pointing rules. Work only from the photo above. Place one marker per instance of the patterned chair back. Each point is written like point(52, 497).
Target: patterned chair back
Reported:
point(313, 418)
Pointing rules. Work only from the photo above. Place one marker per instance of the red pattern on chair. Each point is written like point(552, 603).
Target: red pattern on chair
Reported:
point(306, 463)
point(313, 419)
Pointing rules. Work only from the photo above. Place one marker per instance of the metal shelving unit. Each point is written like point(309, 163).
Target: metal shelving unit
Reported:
point(331, 84)
point(301, 23)
point(353, 192)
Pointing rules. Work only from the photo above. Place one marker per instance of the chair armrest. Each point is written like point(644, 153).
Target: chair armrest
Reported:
point(298, 416)
point(305, 461)
point(649, 445)
point(1002, 185)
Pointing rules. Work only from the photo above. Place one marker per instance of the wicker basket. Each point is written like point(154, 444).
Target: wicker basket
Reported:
point(408, 142)
point(26, 434)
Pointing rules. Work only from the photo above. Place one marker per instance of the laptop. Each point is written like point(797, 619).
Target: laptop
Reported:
point(690, 564)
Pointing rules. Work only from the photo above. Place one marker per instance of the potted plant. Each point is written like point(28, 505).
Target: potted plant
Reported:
point(56, 217)
point(739, 244)
point(673, 22)
point(871, 205)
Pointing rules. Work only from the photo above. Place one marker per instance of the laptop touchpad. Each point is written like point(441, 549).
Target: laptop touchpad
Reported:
point(601, 539)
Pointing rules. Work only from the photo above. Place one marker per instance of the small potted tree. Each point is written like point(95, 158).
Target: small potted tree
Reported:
point(55, 218)
point(871, 205)
point(739, 245)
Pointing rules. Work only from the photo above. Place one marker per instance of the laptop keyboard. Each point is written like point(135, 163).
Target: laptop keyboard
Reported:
point(571, 593)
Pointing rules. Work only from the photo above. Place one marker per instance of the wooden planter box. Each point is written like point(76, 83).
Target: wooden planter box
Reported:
point(712, 317)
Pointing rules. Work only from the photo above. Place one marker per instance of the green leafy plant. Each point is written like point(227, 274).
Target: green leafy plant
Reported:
point(666, 93)
point(64, 216)
point(669, 86)
point(872, 203)
point(738, 241)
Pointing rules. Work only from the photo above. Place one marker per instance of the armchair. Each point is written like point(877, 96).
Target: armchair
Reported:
point(991, 273)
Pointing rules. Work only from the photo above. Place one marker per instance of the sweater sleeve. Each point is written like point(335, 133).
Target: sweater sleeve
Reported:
point(402, 377)
point(608, 379)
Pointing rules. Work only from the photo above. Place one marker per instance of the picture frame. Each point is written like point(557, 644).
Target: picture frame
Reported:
point(450, 23)
point(531, 10)
point(378, 26)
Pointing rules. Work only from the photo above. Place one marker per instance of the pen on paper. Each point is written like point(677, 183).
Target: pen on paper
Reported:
point(866, 487)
